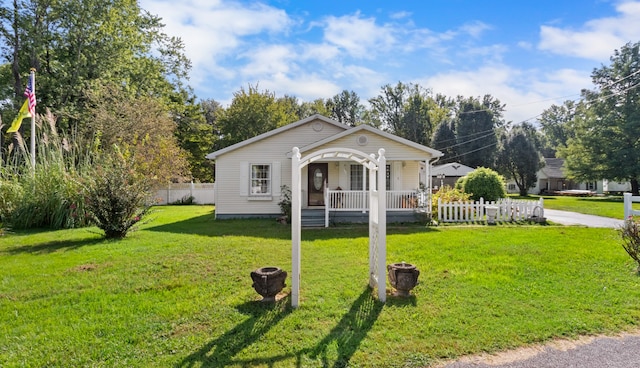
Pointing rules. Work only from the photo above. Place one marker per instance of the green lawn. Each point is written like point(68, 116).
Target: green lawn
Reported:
point(178, 293)
point(601, 206)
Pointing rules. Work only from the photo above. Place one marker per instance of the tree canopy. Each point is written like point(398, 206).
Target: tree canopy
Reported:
point(519, 157)
point(607, 133)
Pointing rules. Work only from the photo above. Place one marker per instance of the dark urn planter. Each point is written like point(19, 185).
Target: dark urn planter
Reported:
point(268, 282)
point(403, 277)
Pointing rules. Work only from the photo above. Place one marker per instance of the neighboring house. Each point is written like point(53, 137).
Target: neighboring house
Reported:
point(249, 174)
point(551, 178)
point(448, 174)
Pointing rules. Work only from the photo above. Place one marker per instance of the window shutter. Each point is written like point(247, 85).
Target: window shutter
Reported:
point(244, 178)
point(276, 176)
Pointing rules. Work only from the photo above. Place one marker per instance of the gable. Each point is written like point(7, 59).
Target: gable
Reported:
point(302, 132)
point(369, 140)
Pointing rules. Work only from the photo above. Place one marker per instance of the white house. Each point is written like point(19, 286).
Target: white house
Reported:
point(551, 178)
point(249, 174)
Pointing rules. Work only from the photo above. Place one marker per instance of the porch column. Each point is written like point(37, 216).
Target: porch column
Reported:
point(295, 227)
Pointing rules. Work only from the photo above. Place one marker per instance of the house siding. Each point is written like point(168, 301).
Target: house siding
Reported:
point(270, 150)
point(405, 169)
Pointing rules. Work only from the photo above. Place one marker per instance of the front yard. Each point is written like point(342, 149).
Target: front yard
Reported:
point(178, 293)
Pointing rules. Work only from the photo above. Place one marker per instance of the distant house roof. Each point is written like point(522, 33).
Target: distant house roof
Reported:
point(554, 168)
point(451, 169)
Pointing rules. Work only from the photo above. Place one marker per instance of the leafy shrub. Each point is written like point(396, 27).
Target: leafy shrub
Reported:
point(447, 195)
point(118, 197)
point(630, 233)
point(186, 200)
point(285, 202)
point(483, 183)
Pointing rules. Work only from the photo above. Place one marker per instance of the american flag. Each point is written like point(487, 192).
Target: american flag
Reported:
point(31, 96)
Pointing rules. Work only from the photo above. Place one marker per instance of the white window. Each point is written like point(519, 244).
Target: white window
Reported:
point(512, 187)
point(260, 179)
point(356, 177)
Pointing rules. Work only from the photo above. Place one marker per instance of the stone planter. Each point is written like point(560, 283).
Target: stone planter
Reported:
point(403, 277)
point(492, 212)
point(268, 282)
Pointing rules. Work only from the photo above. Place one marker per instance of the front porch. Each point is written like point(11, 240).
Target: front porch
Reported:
point(352, 206)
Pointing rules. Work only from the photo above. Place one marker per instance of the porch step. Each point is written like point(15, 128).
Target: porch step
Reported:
point(312, 218)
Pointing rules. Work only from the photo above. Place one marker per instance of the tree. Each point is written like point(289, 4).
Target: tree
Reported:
point(197, 134)
point(346, 108)
point(607, 134)
point(403, 110)
point(317, 106)
point(556, 125)
point(475, 130)
point(143, 130)
point(387, 108)
point(444, 140)
point(519, 157)
point(79, 45)
point(251, 113)
point(416, 121)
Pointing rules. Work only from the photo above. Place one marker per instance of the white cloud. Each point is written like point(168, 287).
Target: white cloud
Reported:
point(212, 30)
point(305, 86)
point(597, 38)
point(474, 29)
point(360, 37)
point(526, 93)
point(400, 15)
point(267, 60)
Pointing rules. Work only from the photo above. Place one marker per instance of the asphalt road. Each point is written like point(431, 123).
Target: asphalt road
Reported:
point(599, 352)
point(588, 352)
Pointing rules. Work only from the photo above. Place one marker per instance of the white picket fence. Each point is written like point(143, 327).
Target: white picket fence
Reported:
point(508, 210)
point(628, 205)
point(203, 193)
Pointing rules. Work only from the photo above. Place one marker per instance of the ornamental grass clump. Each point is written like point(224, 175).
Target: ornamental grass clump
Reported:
point(630, 233)
point(118, 197)
point(49, 195)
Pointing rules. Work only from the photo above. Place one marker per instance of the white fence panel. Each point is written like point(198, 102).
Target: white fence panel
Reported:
point(508, 210)
point(203, 193)
point(628, 205)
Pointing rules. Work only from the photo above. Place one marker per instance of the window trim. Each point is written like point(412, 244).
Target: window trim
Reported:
point(269, 180)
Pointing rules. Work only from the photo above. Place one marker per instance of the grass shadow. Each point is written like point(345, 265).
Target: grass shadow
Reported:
point(220, 352)
point(53, 246)
point(207, 225)
point(350, 331)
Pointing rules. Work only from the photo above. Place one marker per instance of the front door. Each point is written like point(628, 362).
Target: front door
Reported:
point(317, 178)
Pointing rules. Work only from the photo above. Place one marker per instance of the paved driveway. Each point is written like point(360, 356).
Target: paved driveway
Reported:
point(588, 352)
point(572, 218)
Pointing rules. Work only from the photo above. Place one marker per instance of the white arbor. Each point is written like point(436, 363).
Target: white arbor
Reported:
point(377, 213)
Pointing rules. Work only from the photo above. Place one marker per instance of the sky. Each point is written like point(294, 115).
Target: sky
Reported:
point(527, 54)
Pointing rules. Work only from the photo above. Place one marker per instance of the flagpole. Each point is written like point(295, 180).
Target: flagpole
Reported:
point(32, 75)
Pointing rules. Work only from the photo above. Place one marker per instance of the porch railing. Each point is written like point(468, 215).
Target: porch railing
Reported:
point(358, 200)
